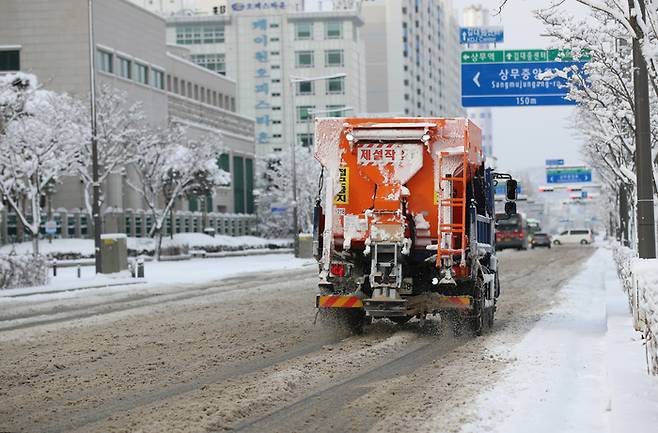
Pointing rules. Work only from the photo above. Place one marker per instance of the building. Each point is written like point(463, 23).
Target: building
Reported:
point(266, 44)
point(412, 57)
point(476, 16)
point(51, 40)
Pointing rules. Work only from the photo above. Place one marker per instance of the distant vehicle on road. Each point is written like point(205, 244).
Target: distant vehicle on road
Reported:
point(540, 239)
point(574, 236)
point(511, 232)
point(533, 227)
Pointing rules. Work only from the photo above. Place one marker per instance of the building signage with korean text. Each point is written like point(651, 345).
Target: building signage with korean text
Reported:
point(262, 81)
point(257, 5)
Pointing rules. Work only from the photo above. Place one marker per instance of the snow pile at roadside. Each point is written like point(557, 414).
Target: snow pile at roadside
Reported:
point(157, 275)
point(60, 248)
point(581, 369)
point(646, 272)
point(639, 278)
point(210, 244)
point(64, 249)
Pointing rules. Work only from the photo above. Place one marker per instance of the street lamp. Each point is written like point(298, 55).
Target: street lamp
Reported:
point(96, 195)
point(293, 110)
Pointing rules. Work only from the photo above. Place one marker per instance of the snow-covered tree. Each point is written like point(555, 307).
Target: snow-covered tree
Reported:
point(40, 140)
point(274, 183)
point(120, 125)
point(169, 165)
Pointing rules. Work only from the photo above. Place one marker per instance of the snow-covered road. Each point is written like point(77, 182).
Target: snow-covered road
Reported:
point(243, 354)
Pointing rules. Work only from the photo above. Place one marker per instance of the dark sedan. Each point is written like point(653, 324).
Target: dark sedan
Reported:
point(541, 240)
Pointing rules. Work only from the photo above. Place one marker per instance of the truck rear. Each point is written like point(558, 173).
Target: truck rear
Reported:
point(406, 227)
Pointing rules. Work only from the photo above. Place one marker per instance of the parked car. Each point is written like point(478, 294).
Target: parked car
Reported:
point(574, 236)
point(540, 240)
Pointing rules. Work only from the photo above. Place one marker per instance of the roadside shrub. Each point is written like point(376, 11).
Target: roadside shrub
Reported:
point(23, 271)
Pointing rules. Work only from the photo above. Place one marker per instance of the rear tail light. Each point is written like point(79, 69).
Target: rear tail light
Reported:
point(337, 270)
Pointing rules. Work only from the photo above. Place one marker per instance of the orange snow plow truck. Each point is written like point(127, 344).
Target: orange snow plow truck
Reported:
point(406, 227)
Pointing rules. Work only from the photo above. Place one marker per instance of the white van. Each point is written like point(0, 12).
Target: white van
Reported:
point(574, 236)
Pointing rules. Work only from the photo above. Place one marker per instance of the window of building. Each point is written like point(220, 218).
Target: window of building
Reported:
point(168, 83)
point(189, 89)
point(274, 39)
point(275, 94)
point(303, 30)
point(304, 112)
point(276, 80)
point(214, 97)
point(305, 88)
point(182, 87)
point(333, 58)
point(275, 108)
point(142, 73)
point(274, 53)
point(276, 122)
point(227, 102)
point(220, 100)
point(196, 92)
point(175, 84)
point(206, 34)
point(215, 62)
point(336, 85)
point(158, 79)
point(333, 30)
point(335, 110)
point(10, 60)
point(274, 25)
point(125, 68)
point(232, 104)
point(276, 135)
point(105, 61)
point(304, 59)
point(306, 140)
point(275, 67)
point(203, 94)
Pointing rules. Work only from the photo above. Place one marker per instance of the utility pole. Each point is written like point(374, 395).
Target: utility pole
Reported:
point(96, 195)
point(643, 170)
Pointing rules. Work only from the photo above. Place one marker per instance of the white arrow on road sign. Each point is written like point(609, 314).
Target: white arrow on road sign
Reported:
point(476, 79)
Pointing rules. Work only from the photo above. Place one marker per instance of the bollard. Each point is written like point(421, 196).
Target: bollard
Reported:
point(140, 268)
point(79, 271)
point(54, 263)
point(131, 268)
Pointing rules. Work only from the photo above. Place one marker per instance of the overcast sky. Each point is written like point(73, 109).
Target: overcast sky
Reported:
point(525, 137)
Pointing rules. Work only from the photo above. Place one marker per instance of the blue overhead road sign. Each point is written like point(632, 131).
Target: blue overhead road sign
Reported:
point(554, 162)
point(481, 35)
point(568, 175)
point(514, 84)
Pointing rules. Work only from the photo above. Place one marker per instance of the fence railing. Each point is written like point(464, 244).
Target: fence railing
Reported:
point(134, 223)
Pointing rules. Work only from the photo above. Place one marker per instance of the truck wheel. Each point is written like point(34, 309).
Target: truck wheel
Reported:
point(490, 317)
point(477, 323)
point(583, 242)
point(556, 242)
